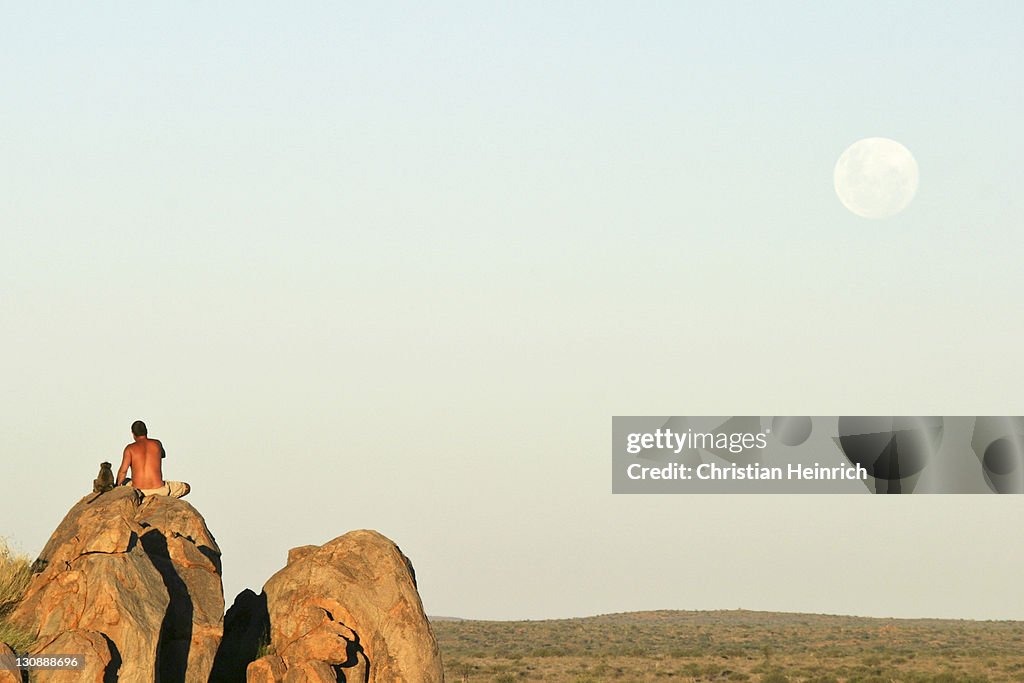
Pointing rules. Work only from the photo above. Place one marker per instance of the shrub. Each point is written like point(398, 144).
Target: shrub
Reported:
point(15, 573)
point(263, 646)
point(17, 638)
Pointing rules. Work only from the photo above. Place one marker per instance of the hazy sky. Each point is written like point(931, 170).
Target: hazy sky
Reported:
point(396, 267)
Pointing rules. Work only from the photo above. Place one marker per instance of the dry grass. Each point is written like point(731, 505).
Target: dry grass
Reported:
point(757, 647)
point(15, 572)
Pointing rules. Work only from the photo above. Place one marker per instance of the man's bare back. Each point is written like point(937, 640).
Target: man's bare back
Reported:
point(144, 457)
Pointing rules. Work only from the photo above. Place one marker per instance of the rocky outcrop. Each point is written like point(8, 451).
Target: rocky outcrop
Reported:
point(134, 585)
point(135, 582)
point(347, 610)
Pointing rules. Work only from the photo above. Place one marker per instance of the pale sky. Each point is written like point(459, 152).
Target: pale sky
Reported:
point(396, 267)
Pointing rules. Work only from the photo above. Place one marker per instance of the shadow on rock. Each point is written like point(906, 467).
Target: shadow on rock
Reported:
point(176, 629)
point(246, 633)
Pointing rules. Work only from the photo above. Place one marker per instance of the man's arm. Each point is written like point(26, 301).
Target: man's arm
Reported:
point(126, 462)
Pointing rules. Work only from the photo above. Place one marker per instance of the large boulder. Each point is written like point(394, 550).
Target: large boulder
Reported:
point(137, 578)
point(351, 607)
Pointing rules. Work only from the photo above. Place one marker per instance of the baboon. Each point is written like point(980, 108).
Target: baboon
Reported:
point(105, 481)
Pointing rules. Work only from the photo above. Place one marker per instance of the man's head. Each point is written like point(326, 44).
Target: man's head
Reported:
point(139, 428)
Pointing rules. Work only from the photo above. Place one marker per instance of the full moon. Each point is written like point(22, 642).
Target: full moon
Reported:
point(876, 177)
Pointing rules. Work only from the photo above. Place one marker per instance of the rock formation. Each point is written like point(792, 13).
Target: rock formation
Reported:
point(348, 610)
point(133, 582)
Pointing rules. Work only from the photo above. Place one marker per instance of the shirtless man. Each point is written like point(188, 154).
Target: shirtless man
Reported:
point(143, 457)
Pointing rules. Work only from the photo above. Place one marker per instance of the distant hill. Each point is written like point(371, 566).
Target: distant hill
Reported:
point(738, 645)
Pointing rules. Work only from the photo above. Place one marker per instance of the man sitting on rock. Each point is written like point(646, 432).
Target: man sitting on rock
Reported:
point(143, 457)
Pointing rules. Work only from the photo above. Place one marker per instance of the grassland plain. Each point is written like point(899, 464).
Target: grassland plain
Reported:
point(739, 645)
